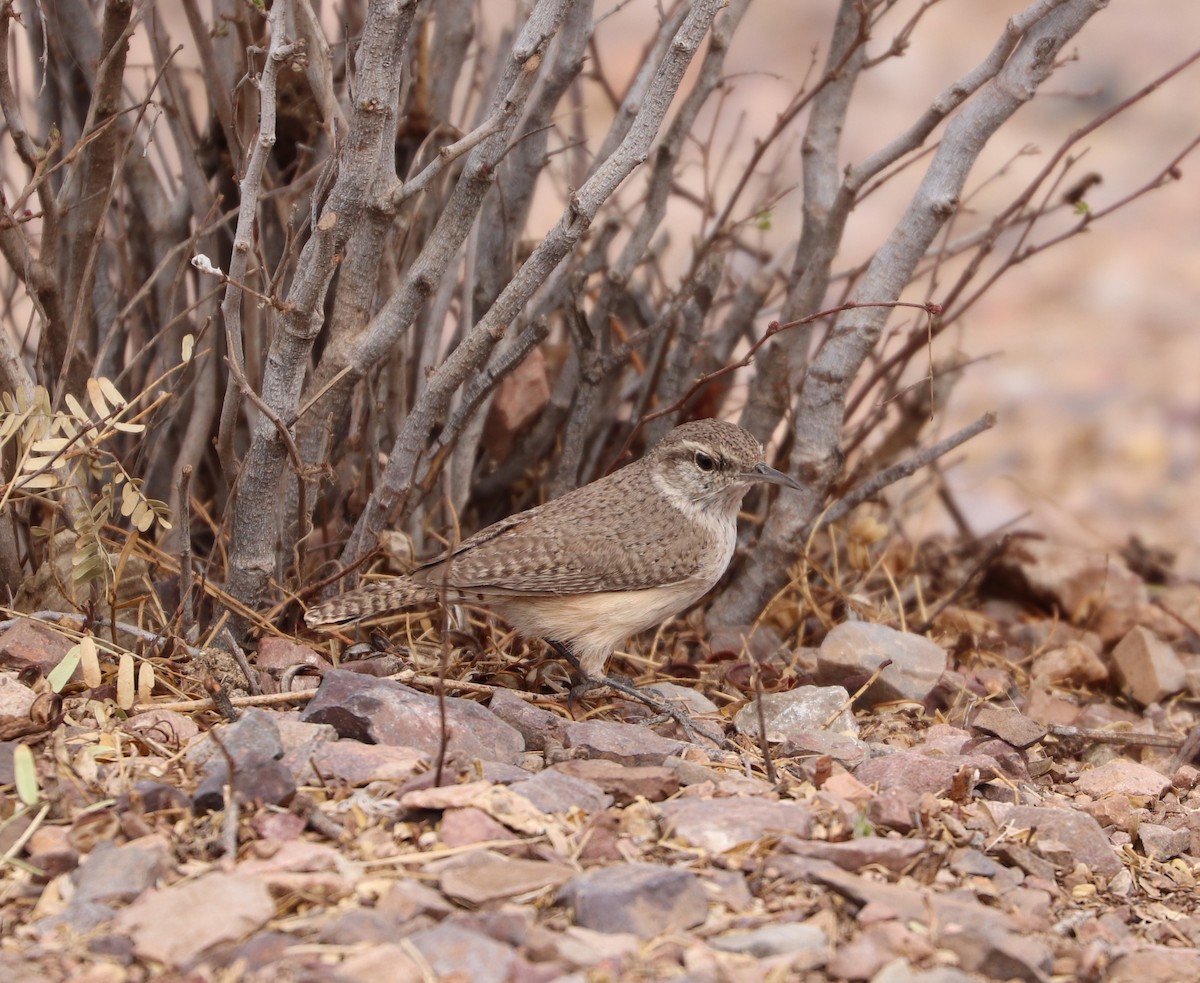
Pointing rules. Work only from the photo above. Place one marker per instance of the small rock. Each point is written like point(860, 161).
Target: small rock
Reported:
point(359, 926)
point(1162, 842)
point(117, 874)
point(1147, 667)
point(1051, 710)
point(624, 783)
point(382, 711)
point(864, 851)
point(468, 825)
point(276, 654)
point(647, 900)
point(1155, 964)
point(718, 825)
point(857, 648)
point(80, 917)
point(254, 779)
point(693, 701)
point(253, 736)
point(175, 924)
point(1183, 601)
point(410, 899)
point(772, 940)
point(794, 712)
point(28, 643)
point(1111, 811)
point(846, 749)
point(496, 880)
point(920, 772)
point(533, 723)
point(150, 796)
point(1074, 664)
point(556, 792)
point(16, 700)
point(627, 744)
point(1090, 588)
point(897, 807)
point(1079, 829)
point(359, 764)
point(1122, 777)
point(845, 786)
point(167, 727)
point(459, 953)
point(381, 962)
point(1011, 726)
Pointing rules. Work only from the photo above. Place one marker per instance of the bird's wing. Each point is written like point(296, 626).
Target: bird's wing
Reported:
point(564, 547)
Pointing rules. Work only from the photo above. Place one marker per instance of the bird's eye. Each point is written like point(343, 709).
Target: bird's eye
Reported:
point(704, 462)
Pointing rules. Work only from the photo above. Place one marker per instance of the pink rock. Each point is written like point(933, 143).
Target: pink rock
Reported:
point(1122, 777)
point(1148, 668)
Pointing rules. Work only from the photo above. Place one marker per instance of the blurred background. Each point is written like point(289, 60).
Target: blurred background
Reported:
point(1091, 350)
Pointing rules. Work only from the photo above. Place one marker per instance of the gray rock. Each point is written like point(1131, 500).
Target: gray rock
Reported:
point(536, 725)
point(555, 792)
point(647, 900)
point(772, 940)
point(382, 711)
point(628, 744)
point(454, 951)
point(793, 713)
point(1011, 726)
point(113, 874)
point(1079, 829)
point(1162, 842)
point(857, 648)
point(718, 825)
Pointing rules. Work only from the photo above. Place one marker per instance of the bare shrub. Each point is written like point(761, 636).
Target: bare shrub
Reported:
point(336, 205)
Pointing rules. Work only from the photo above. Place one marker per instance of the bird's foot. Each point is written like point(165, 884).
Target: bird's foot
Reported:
point(665, 709)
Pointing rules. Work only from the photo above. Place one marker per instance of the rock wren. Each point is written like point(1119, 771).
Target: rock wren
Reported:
point(601, 563)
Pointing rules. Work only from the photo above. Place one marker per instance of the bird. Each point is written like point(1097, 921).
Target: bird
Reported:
point(590, 569)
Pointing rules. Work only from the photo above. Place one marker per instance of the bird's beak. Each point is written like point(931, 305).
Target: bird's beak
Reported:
point(764, 472)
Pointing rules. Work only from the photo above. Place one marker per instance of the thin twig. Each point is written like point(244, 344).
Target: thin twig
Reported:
point(889, 476)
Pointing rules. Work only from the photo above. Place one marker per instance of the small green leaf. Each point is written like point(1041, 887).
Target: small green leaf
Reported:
point(61, 673)
point(25, 775)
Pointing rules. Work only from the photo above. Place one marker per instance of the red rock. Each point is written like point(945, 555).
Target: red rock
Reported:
point(1155, 964)
point(16, 700)
point(28, 643)
point(1163, 843)
point(897, 808)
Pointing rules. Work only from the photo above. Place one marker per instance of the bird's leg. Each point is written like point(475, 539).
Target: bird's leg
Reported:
point(660, 706)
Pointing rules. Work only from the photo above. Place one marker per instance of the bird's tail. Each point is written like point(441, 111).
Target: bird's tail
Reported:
point(375, 598)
